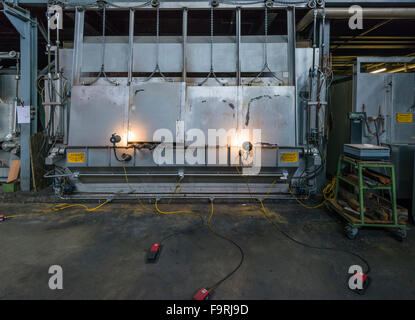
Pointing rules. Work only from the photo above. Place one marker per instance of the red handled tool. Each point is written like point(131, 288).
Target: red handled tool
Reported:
point(365, 280)
point(202, 294)
point(154, 252)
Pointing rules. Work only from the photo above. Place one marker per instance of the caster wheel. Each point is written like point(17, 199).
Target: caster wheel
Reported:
point(351, 232)
point(400, 234)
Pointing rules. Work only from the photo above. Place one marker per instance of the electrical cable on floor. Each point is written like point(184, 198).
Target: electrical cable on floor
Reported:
point(264, 211)
point(154, 251)
point(328, 194)
point(172, 212)
point(27, 215)
point(183, 231)
point(60, 207)
point(63, 206)
point(230, 241)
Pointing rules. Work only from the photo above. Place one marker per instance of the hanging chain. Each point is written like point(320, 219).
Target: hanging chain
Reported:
point(157, 67)
point(211, 71)
point(266, 66)
point(211, 38)
point(102, 71)
point(266, 36)
point(103, 38)
point(157, 35)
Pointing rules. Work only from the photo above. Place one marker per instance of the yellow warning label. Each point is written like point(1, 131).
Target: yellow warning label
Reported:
point(404, 117)
point(289, 157)
point(76, 157)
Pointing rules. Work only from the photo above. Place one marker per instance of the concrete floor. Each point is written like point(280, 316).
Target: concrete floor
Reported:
point(103, 254)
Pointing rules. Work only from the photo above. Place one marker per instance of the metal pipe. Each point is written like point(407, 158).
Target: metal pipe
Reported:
point(291, 45)
point(162, 175)
point(184, 31)
point(314, 37)
point(131, 47)
point(238, 46)
point(368, 13)
point(412, 66)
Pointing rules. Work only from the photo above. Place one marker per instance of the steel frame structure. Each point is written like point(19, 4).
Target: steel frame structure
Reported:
point(27, 28)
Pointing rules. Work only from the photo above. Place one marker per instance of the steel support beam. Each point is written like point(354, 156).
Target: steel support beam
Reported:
point(291, 45)
point(184, 35)
point(27, 28)
point(78, 46)
point(131, 47)
point(238, 46)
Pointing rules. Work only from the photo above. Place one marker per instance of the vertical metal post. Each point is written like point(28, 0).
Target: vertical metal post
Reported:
point(291, 28)
point(361, 196)
point(413, 188)
point(184, 70)
point(33, 72)
point(27, 28)
point(324, 38)
point(78, 46)
point(26, 52)
point(238, 46)
point(131, 47)
point(394, 206)
point(291, 35)
point(324, 41)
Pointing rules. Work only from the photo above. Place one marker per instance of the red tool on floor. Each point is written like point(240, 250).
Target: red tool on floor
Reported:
point(154, 252)
point(202, 294)
point(365, 280)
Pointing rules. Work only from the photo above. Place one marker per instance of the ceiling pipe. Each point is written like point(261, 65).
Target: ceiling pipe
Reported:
point(368, 13)
point(404, 68)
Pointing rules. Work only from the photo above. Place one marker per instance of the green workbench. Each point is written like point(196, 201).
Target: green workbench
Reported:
point(353, 224)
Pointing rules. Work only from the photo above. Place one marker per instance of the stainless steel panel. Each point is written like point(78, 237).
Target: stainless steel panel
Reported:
point(211, 108)
point(6, 119)
point(99, 157)
point(144, 158)
point(96, 113)
point(394, 93)
point(7, 87)
point(371, 90)
point(154, 106)
point(271, 109)
point(116, 57)
point(197, 54)
point(403, 100)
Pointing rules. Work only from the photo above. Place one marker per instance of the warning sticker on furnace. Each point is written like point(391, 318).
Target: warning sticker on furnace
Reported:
point(404, 117)
point(76, 157)
point(289, 157)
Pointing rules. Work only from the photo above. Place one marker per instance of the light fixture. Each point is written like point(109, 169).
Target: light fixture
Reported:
point(378, 71)
point(131, 136)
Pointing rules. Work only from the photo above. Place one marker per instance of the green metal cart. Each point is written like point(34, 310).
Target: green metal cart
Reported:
point(353, 224)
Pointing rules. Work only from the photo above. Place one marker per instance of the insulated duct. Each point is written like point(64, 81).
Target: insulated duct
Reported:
point(368, 13)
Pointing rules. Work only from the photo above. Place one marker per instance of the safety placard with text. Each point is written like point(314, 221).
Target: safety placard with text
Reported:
point(289, 157)
point(404, 117)
point(76, 157)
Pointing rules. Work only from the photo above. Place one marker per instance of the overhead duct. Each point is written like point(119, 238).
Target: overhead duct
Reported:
point(368, 13)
